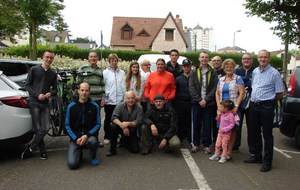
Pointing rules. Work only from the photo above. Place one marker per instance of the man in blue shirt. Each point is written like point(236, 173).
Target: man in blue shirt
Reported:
point(267, 88)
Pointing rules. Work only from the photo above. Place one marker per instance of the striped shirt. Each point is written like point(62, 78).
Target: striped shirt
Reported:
point(266, 83)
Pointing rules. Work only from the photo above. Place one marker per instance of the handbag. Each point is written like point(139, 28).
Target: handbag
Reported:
point(246, 100)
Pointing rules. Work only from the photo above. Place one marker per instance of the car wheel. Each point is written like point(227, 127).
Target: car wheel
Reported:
point(297, 135)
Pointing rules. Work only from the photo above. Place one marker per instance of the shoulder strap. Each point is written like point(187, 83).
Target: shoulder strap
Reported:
point(208, 75)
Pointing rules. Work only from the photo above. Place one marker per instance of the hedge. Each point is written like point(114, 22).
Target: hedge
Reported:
point(74, 52)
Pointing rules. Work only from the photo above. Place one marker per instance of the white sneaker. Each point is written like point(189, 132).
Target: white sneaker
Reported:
point(222, 160)
point(106, 141)
point(214, 157)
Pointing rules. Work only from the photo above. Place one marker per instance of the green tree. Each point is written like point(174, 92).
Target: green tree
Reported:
point(82, 40)
point(286, 13)
point(37, 13)
point(9, 13)
point(32, 14)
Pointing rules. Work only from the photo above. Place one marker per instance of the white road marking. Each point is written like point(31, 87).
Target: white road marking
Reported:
point(282, 152)
point(196, 172)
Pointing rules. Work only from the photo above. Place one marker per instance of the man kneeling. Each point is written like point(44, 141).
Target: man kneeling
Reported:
point(127, 116)
point(82, 125)
point(160, 124)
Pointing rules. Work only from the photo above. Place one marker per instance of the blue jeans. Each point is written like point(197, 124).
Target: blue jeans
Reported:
point(262, 116)
point(201, 117)
point(75, 151)
point(40, 122)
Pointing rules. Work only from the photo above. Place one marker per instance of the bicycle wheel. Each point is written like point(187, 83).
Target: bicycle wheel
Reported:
point(56, 117)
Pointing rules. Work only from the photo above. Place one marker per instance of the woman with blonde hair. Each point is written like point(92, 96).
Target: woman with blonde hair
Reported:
point(230, 87)
point(134, 80)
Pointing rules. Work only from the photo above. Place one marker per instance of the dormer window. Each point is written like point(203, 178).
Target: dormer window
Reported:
point(126, 32)
point(143, 33)
point(57, 38)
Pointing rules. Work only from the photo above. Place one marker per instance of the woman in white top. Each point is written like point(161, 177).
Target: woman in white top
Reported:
point(134, 81)
point(114, 80)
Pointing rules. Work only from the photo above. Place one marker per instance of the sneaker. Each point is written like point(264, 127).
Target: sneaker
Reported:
point(214, 158)
point(195, 148)
point(227, 157)
point(222, 160)
point(43, 156)
point(95, 162)
point(207, 150)
point(106, 141)
point(27, 153)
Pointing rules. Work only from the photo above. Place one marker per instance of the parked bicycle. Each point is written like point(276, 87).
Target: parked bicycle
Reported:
point(66, 93)
point(67, 86)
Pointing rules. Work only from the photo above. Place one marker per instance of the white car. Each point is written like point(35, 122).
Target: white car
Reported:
point(15, 118)
point(153, 58)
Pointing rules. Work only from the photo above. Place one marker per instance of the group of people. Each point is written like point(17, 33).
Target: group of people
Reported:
point(206, 105)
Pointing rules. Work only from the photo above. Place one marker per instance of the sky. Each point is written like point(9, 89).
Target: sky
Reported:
point(89, 17)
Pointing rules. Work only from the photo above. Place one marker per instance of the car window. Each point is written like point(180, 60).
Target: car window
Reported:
point(13, 69)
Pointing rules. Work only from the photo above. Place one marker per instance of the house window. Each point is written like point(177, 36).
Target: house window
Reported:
point(169, 34)
point(126, 32)
point(56, 39)
point(126, 35)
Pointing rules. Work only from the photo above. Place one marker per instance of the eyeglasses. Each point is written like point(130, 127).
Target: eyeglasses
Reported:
point(263, 57)
point(246, 58)
point(49, 57)
point(216, 60)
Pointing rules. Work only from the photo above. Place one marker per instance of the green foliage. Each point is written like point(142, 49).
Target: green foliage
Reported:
point(286, 16)
point(73, 52)
point(10, 24)
point(18, 15)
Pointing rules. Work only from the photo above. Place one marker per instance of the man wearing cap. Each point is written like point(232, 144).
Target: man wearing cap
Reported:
point(160, 124)
point(182, 102)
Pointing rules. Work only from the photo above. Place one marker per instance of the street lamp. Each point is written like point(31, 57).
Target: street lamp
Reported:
point(234, 37)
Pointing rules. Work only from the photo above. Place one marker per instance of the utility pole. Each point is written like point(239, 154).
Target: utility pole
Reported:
point(234, 37)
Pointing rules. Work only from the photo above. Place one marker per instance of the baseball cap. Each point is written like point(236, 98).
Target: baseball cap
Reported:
point(186, 62)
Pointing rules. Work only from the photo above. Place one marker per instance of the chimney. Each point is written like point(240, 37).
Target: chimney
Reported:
point(177, 18)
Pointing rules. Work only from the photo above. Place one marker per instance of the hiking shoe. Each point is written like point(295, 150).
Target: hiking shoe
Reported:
point(207, 150)
point(222, 160)
point(27, 153)
point(95, 162)
point(43, 156)
point(195, 148)
point(214, 157)
point(106, 141)
point(146, 151)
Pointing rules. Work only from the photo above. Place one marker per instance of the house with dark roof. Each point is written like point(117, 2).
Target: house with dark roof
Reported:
point(55, 37)
point(148, 34)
